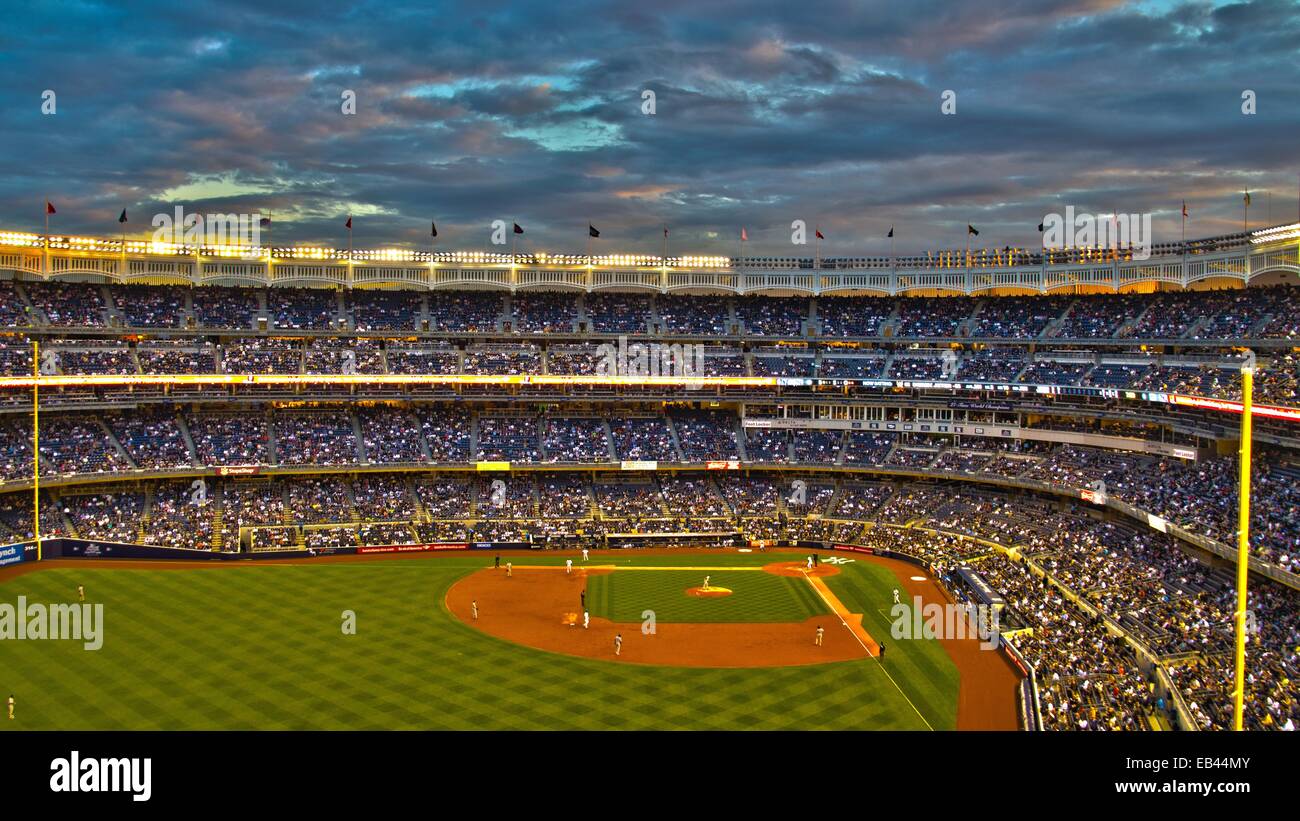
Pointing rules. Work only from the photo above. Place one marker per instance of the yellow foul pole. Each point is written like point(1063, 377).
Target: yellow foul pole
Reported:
point(1243, 538)
point(36, 445)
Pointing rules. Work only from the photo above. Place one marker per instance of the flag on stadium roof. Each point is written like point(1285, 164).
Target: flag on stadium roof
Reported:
point(122, 218)
point(349, 223)
point(744, 235)
point(818, 232)
point(264, 222)
point(972, 230)
point(433, 229)
point(890, 235)
point(518, 230)
point(591, 231)
point(49, 208)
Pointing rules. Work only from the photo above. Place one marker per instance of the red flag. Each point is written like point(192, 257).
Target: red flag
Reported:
point(349, 224)
point(743, 235)
point(49, 208)
point(1184, 208)
point(819, 234)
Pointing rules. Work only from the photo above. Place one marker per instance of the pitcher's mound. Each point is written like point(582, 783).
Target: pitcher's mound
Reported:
point(711, 593)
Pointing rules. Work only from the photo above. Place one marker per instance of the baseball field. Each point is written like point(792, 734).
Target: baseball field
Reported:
point(393, 643)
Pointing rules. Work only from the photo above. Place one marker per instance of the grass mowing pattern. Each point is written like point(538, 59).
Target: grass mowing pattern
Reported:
point(922, 669)
point(755, 597)
point(261, 647)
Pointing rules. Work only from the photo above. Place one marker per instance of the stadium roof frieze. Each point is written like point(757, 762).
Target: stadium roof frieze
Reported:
point(1241, 257)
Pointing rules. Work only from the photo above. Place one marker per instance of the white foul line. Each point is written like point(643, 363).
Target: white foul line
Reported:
point(859, 640)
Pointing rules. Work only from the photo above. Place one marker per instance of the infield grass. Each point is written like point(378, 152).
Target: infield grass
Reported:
point(755, 596)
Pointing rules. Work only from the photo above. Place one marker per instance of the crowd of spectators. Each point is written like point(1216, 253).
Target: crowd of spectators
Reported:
point(1017, 317)
point(695, 315)
point(508, 439)
point(618, 313)
point(772, 316)
point(262, 355)
point(68, 304)
point(97, 356)
point(303, 309)
point(544, 313)
point(851, 367)
point(226, 308)
point(706, 435)
point(315, 438)
point(229, 439)
point(79, 446)
point(574, 440)
point(153, 441)
point(465, 311)
point(111, 516)
point(383, 310)
point(1269, 312)
point(181, 515)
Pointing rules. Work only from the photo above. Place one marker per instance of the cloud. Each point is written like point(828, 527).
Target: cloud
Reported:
point(826, 112)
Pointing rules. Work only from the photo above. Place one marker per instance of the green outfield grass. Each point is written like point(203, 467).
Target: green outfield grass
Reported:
point(755, 596)
point(261, 647)
point(922, 669)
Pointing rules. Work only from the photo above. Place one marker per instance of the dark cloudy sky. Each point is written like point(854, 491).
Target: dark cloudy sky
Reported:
point(825, 111)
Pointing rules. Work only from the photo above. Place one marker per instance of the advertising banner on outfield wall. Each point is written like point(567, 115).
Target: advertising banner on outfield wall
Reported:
point(412, 548)
point(854, 548)
point(15, 553)
point(86, 549)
